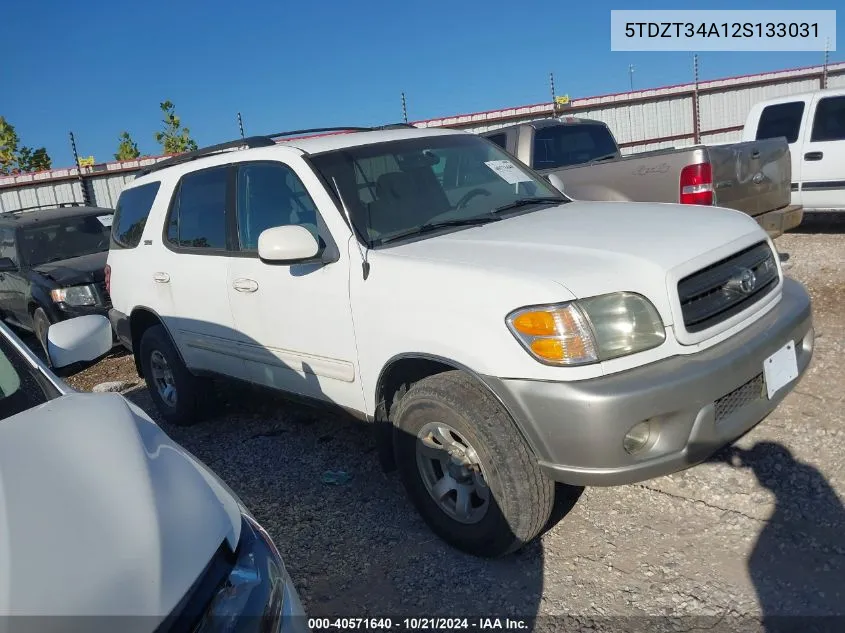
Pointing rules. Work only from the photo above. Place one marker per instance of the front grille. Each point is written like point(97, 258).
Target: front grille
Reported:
point(718, 292)
point(104, 294)
point(739, 397)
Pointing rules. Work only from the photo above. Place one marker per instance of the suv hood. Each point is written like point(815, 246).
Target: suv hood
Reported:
point(592, 248)
point(86, 269)
point(101, 513)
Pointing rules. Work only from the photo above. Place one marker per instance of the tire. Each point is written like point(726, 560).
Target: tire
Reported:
point(519, 497)
point(181, 406)
point(40, 324)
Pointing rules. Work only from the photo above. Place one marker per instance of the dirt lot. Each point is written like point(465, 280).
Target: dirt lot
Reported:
point(767, 537)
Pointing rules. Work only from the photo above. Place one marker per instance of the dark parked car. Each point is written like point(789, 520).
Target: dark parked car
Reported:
point(52, 265)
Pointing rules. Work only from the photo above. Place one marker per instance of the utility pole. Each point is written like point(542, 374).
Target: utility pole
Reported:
point(696, 108)
point(631, 76)
point(241, 124)
point(826, 61)
point(404, 109)
point(554, 99)
point(86, 198)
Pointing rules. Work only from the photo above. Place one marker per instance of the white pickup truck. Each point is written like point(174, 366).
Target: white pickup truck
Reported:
point(813, 124)
point(502, 337)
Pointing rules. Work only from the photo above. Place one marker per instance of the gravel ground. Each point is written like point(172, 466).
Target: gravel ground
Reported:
point(719, 540)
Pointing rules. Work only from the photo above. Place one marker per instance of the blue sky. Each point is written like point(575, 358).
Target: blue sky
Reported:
point(98, 68)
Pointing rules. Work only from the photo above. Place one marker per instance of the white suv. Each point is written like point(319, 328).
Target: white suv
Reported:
point(502, 336)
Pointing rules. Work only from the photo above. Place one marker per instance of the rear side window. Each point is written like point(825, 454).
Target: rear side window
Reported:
point(781, 119)
point(563, 145)
point(829, 122)
point(499, 139)
point(198, 213)
point(133, 209)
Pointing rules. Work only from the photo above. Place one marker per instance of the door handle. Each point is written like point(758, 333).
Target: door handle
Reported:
point(161, 278)
point(813, 155)
point(755, 154)
point(245, 285)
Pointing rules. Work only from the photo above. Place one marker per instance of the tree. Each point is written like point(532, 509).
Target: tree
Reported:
point(175, 138)
point(127, 149)
point(37, 160)
point(8, 147)
point(25, 159)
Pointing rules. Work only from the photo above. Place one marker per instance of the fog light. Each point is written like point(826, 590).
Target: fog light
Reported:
point(637, 438)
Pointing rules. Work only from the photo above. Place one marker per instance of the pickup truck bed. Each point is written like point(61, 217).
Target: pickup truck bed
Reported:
point(753, 177)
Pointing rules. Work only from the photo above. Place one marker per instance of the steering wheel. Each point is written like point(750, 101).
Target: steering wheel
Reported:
point(469, 196)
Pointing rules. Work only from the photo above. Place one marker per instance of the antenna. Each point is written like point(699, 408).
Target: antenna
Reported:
point(365, 265)
point(241, 124)
point(404, 109)
point(631, 76)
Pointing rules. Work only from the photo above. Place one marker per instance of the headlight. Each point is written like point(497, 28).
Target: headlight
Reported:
point(76, 296)
point(252, 598)
point(588, 330)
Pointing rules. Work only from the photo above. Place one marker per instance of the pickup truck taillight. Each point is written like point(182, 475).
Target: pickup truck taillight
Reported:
point(697, 184)
point(108, 279)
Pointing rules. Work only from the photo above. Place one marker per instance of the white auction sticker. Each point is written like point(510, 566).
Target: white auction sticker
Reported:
point(105, 220)
point(507, 171)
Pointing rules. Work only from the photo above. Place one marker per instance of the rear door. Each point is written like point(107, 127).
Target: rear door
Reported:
point(193, 268)
point(823, 154)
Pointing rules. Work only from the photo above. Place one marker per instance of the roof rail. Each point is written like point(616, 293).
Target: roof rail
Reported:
point(257, 141)
point(53, 205)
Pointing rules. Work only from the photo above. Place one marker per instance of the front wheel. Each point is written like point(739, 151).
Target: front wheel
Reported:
point(466, 468)
point(175, 391)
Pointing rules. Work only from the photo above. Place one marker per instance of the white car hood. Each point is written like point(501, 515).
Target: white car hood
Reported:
point(592, 248)
point(101, 513)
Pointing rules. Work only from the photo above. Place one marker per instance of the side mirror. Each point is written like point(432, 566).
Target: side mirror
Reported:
point(79, 340)
point(7, 265)
point(289, 244)
point(556, 182)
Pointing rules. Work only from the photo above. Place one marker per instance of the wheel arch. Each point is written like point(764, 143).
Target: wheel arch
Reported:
point(399, 373)
point(140, 320)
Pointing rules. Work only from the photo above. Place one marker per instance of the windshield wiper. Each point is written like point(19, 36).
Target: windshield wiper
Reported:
point(433, 226)
point(526, 201)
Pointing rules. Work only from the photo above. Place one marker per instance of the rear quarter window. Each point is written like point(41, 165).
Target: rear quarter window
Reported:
point(130, 216)
point(781, 119)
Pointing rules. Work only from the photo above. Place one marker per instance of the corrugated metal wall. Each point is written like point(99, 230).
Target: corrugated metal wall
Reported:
point(643, 120)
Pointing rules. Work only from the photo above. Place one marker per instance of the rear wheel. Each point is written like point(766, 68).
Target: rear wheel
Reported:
point(175, 391)
point(466, 468)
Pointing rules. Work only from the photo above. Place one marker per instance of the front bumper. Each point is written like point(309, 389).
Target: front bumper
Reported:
point(697, 403)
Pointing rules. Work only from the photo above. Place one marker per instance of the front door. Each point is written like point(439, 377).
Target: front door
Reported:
point(294, 321)
point(13, 285)
point(823, 155)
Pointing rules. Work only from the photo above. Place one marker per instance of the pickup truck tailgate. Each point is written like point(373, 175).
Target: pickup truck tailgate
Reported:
point(754, 177)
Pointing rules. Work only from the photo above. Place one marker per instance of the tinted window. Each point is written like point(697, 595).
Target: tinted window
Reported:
point(499, 139)
point(271, 194)
point(562, 145)
point(133, 208)
point(829, 122)
point(7, 244)
point(20, 389)
point(782, 119)
point(198, 213)
point(67, 238)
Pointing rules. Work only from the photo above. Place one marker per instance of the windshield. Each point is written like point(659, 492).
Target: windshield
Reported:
point(409, 186)
point(66, 238)
point(20, 387)
point(564, 145)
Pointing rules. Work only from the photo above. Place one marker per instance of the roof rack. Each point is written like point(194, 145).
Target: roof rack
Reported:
point(251, 142)
point(53, 205)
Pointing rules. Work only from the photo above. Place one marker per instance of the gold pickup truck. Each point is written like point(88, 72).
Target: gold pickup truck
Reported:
point(753, 177)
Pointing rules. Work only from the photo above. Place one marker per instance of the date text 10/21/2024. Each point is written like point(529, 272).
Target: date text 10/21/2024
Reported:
point(416, 624)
